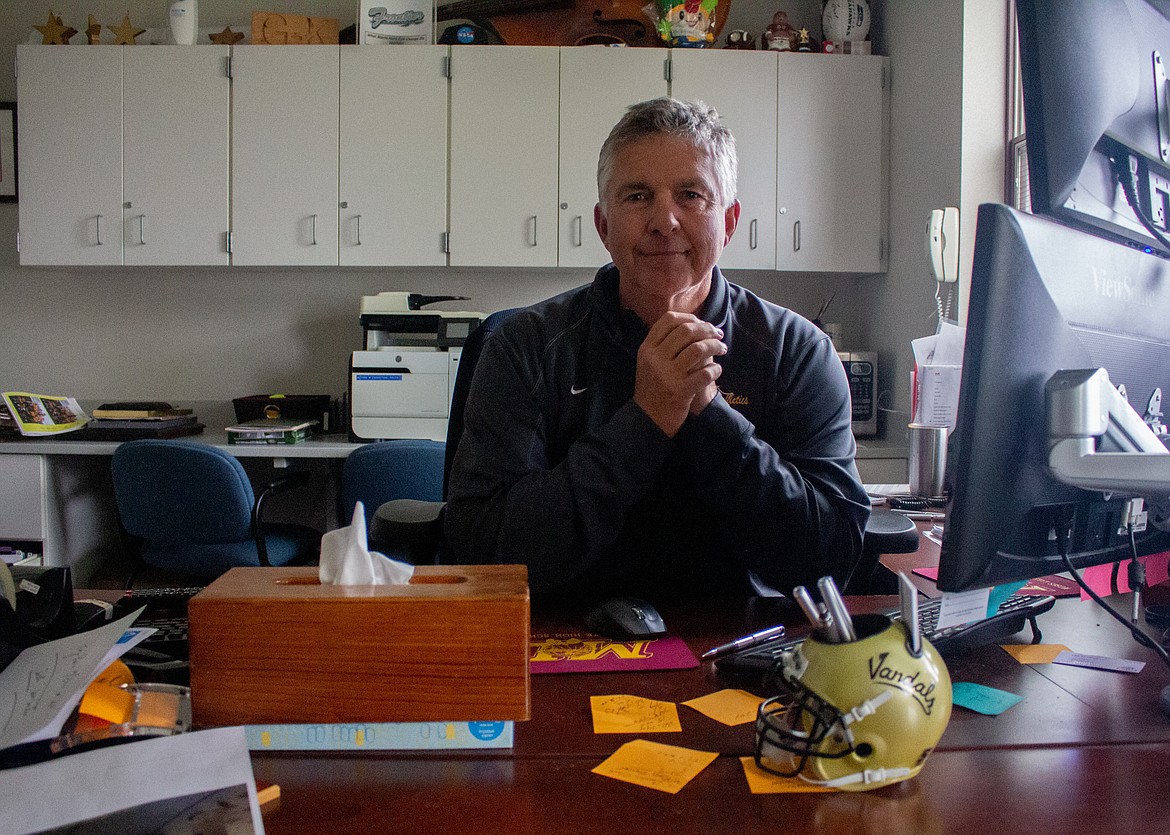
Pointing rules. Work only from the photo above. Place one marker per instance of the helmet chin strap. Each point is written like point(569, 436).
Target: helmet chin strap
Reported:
point(866, 708)
point(867, 776)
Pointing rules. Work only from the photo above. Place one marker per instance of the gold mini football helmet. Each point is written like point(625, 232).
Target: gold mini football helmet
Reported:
point(854, 715)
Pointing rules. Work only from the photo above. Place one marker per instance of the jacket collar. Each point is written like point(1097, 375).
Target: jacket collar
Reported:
point(629, 329)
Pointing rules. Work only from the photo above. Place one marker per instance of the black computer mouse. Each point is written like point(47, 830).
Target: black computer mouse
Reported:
point(625, 617)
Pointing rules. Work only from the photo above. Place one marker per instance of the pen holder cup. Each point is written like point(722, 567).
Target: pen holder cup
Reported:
point(866, 626)
point(909, 694)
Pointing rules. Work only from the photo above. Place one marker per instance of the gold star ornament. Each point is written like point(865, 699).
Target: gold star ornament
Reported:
point(54, 31)
point(227, 37)
point(126, 32)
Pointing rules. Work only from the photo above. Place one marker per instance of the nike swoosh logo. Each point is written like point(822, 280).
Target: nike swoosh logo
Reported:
point(575, 390)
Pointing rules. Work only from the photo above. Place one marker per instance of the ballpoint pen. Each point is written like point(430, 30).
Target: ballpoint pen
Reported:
point(755, 639)
point(837, 610)
point(821, 622)
point(909, 605)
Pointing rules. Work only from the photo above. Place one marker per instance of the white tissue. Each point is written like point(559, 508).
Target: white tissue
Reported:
point(347, 561)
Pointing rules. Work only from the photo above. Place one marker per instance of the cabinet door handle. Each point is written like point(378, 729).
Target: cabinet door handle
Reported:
point(577, 231)
point(313, 229)
point(796, 236)
point(358, 224)
point(532, 231)
point(752, 233)
point(142, 230)
point(97, 223)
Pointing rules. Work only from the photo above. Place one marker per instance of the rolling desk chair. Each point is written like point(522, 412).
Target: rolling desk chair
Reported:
point(414, 526)
point(886, 532)
point(189, 508)
point(383, 471)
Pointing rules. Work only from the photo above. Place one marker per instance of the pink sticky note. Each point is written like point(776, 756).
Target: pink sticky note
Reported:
point(1100, 577)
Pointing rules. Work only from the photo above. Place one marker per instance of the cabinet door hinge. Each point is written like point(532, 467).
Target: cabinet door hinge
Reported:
point(667, 70)
point(886, 80)
point(446, 243)
point(227, 237)
point(881, 250)
point(228, 66)
point(15, 67)
point(18, 240)
point(446, 66)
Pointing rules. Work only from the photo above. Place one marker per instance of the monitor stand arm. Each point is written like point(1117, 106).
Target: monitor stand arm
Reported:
point(1097, 441)
point(1085, 412)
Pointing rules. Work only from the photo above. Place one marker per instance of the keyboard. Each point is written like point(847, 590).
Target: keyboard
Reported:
point(1010, 618)
point(166, 612)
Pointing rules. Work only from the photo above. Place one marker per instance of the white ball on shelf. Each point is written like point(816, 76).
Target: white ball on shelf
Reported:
point(845, 20)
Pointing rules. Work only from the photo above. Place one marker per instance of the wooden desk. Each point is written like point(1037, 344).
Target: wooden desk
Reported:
point(1063, 705)
point(1083, 753)
point(1072, 790)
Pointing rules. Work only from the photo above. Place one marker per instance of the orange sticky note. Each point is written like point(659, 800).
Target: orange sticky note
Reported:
point(623, 714)
point(731, 707)
point(1033, 653)
point(762, 782)
point(666, 768)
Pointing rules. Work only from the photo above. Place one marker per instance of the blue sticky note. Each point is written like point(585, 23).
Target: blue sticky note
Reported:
point(1001, 593)
point(982, 699)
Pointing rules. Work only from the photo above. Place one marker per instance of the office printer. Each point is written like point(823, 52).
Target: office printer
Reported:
point(400, 382)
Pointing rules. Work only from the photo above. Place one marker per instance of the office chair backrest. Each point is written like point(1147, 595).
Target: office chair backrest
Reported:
point(467, 362)
point(183, 491)
point(386, 470)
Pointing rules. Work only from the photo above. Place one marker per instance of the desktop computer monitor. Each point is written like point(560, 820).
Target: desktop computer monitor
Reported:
point(1044, 298)
point(1094, 76)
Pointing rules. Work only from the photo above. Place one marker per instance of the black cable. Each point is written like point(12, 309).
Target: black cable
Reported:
point(1129, 187)
point(1138, 635)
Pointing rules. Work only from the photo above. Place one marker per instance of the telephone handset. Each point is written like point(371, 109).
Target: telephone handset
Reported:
point(942, 244)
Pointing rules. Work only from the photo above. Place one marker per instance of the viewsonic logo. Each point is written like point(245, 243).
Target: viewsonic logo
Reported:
point(881, 673)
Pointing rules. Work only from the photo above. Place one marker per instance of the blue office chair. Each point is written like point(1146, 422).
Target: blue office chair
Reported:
point(382, 471)
point(189, 508)
point(412, 525)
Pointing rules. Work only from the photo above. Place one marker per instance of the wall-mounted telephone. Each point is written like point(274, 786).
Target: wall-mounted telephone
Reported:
point(942, 244)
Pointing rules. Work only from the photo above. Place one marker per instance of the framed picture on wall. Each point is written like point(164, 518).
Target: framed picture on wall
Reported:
point(8, 192)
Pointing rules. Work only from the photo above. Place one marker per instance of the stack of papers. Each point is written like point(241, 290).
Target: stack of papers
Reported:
point(270, 431)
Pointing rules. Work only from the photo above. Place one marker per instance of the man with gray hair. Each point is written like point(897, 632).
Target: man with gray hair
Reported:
point(659, 431)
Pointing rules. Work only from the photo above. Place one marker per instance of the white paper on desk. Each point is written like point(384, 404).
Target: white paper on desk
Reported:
point(131, 638)
point(140, 786)
point(346, 560)
point(962, 607)
point(42, 685)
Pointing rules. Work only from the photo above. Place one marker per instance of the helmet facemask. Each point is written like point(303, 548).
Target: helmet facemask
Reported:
point(840, 719)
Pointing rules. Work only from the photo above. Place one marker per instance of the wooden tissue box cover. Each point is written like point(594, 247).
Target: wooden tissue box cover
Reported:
point(273, 645)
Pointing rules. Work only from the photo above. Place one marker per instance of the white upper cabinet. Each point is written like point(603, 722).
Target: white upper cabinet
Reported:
point(831, 180)
point(504, 126)
point(393, 164)
point(597, 85)
point(285, 155)
point(70, 154)
point(124, 155)
point(359, 156)
point(176, 103)
point(741, 85)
